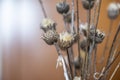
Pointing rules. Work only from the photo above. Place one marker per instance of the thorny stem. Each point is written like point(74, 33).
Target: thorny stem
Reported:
point(43, 9)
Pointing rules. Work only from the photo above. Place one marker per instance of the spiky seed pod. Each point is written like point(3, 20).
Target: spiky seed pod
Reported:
point(99, 36)
point(62, 7)
point(65, 40)
point(87, 3)
point(50, 37)
point(113, 11)
point(48, 24)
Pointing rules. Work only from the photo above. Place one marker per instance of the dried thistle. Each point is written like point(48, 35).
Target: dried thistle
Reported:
point(98, 36)
point(50, 37)
point(66, 40)
point(48, 24)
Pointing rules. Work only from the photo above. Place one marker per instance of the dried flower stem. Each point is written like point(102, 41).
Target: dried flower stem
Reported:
point(96, 26)
point(108, 67)
point(106, 43)
point(114, 53)
point(78, 30)
point(117, 67)
point(109, 60)
point(65, 67)
point(94, 61)
point(43, 9)
point(110, 53)
point(94, 13)
point(72, 60)
point(86, 64)
point(72, 15)
point(70, 65)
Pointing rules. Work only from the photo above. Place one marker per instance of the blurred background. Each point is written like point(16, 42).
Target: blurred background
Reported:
point(23, 55)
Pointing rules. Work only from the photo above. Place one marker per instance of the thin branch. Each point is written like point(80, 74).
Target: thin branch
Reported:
point(70, 66)
point(78, 30)
point(88, 45)
point(43, 9)
point(65, 67)
point(106, 43)
point(108, 67)
point(110, 52)
point(96, 25)
point(72, 15)
point(115, 71)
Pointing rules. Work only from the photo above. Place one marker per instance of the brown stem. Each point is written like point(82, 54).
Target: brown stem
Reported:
point(70, 65)
point(78, 30)
point(72, 15)
point(106, 43)
point(43, 9)
point(108, 67)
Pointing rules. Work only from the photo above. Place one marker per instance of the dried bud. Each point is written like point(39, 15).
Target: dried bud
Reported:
point(65, 40)
point(62, 7)
point(88, 4)
point(67, 17)
point(50, 37)
point(113, 11)
point(48, 24)
point(99, 36)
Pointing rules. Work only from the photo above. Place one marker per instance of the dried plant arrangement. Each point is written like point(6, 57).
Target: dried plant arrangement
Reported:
point(86, 35)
